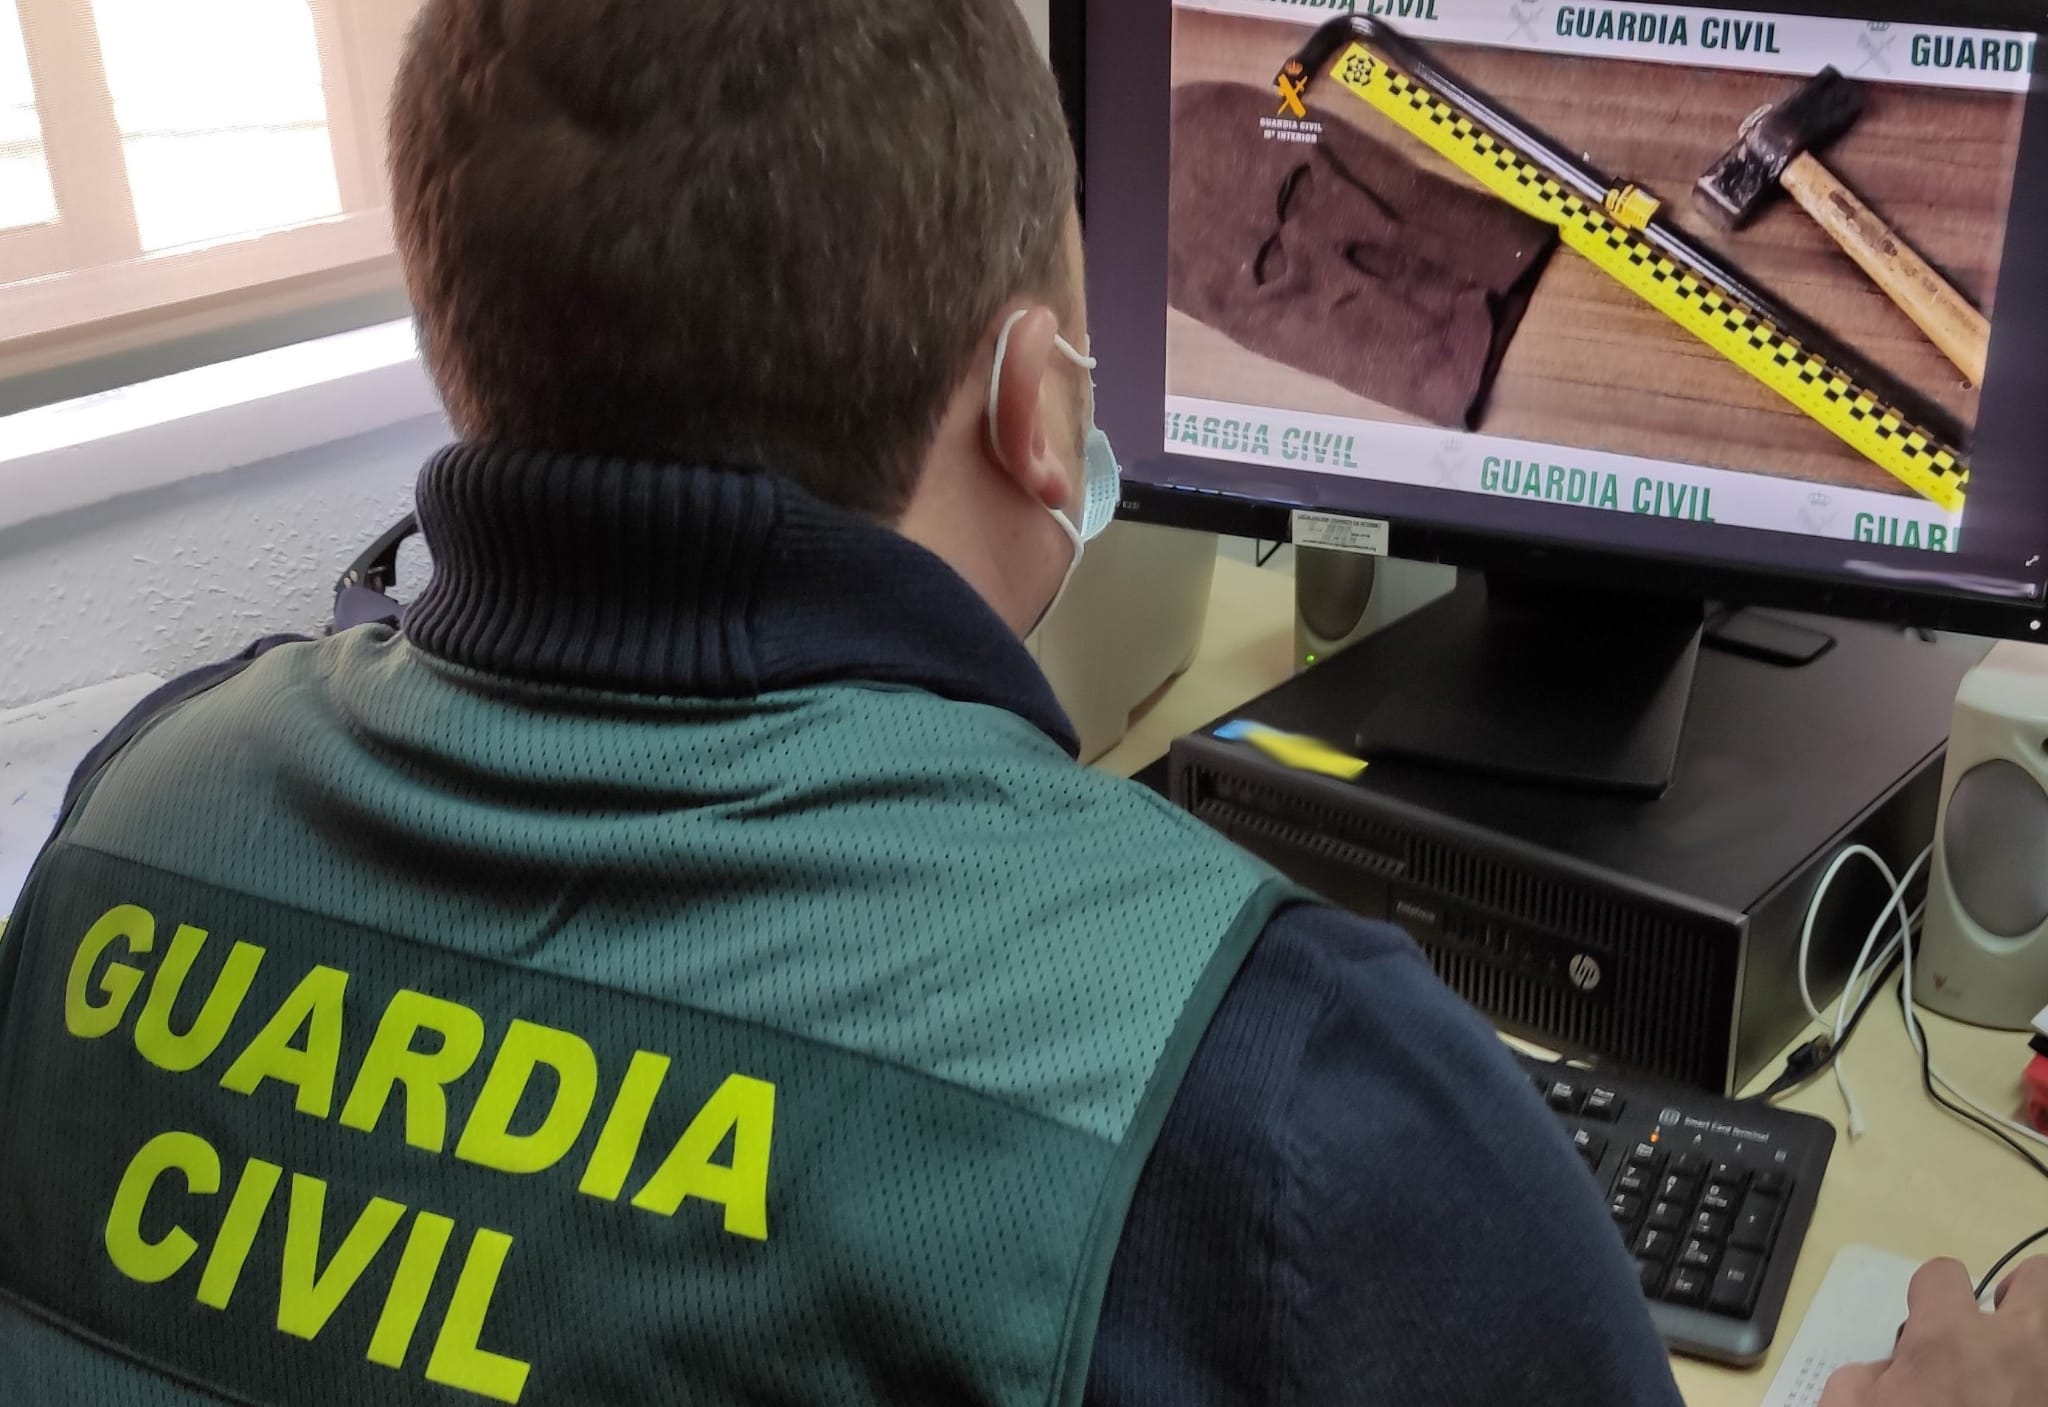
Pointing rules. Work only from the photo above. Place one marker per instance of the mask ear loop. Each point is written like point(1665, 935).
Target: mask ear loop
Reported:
point(995, 376)
point(995, 389)
point(995, 380)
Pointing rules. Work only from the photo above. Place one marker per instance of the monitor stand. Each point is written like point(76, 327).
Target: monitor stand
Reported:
point(1545, 682)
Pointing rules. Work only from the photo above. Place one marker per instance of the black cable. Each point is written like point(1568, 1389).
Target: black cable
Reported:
point(1927, 1082)
point(1269, 555)
point(1884, 975)
point(2007, 1259)
point(1801, 1067)
point(1811, 1060)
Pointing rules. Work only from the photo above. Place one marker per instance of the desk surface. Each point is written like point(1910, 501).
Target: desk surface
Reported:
point(1919, 1182)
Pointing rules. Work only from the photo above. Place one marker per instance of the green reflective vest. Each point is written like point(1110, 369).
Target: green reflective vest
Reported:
point(374, 1030)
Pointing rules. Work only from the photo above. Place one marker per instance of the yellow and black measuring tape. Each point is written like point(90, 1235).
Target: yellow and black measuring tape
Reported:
point(1609, 237)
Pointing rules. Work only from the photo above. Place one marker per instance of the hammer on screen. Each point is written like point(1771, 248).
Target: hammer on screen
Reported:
point(1776, 149)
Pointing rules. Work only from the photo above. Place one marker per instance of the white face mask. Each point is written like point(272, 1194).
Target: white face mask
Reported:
point(1102, 482)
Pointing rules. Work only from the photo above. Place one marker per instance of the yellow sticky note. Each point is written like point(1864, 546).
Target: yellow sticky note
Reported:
point(1304, 754)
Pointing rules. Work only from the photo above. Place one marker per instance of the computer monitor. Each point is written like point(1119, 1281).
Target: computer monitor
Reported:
point(1563, 293)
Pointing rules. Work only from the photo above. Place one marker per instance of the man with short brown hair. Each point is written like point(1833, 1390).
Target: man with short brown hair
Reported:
point(726, 234)
point(685, 963)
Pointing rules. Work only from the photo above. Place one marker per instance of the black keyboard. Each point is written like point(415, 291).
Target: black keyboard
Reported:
point(1712, 1196)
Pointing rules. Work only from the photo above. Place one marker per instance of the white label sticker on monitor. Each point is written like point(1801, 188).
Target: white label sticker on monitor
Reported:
point(1365, 536)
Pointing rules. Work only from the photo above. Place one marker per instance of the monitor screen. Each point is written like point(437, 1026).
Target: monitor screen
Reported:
point(1664, 284)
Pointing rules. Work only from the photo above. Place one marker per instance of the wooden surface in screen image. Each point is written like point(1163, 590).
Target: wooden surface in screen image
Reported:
point(1592, 366)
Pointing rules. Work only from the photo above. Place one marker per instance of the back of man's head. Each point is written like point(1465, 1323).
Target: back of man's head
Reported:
point(724, 231)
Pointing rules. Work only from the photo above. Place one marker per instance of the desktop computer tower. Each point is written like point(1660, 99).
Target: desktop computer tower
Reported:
point(1660, 935)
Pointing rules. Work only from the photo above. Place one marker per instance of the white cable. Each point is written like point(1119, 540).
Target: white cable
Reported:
point(1871, 970)
point(1867, 971)
point(1878, 965)
point(1919, 1039)
point(1851, 1000)
point(1857, 1128)
point(1827, 881)
point(2019, 1129)
point(1876, 972)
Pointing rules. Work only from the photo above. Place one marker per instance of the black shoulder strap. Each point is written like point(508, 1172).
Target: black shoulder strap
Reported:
point(363, 595)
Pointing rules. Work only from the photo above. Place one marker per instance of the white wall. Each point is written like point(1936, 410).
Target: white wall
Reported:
point(168, 579)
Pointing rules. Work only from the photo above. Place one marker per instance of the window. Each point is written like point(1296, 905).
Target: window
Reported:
point(161, 155)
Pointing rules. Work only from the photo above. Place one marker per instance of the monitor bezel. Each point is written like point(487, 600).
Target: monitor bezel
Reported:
point(1622, 568)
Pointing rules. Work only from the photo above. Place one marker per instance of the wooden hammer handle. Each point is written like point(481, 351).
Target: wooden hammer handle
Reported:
point(1962, 333)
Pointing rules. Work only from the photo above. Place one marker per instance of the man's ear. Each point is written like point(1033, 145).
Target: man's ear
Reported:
point(1017, 432)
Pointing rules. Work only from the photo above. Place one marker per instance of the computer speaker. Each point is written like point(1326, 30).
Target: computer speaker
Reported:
point(1332, 594)
point(1984, 948)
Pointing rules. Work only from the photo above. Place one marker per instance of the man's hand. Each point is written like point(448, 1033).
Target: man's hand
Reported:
point(1952, 1354)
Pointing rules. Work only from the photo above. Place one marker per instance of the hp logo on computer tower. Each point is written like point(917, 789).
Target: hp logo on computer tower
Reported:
point(1585, 972)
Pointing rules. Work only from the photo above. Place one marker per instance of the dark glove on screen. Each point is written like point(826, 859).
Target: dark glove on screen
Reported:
point(1343, 260)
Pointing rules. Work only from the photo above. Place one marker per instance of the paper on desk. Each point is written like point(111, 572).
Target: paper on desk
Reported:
point(1855, 1318)
point(40, 747)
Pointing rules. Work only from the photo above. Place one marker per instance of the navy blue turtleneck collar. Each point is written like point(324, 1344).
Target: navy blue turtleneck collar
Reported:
point(664, 579)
